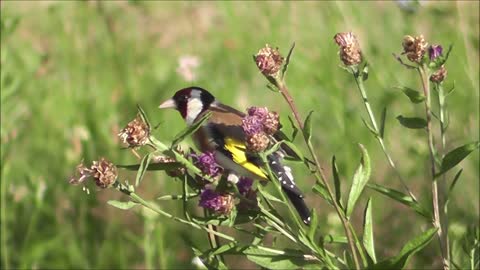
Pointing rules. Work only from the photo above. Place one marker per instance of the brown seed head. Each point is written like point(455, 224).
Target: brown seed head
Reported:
point(350, 52)
point(439, 75)
point(269, 61)
point(414, 48)
point(104, 173)
point(271, 123)
point(136, 133)
point(257, 142)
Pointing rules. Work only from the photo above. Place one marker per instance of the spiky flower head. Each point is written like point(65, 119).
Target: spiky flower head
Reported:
point(207, 164)
point(244, 185)
point(104, 173)
point(271, 123)
point(257, 142)
point(414, 48)
point(82, 173)
point(252, 125)
point(221, 203)
point(350, 52)
point(136, 133)
point(434, 52)
point(439, 75)
point(269, 60)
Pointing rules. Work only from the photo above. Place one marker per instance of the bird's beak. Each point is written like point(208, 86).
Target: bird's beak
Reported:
point(169, 103)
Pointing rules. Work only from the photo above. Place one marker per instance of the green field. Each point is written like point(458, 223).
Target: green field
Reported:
point(72, 74)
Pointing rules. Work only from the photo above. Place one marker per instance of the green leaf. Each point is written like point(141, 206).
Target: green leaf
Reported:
point(143, 168)
point(365, 72)
point(287, 60)
point(452, 185)
point(456, 156)
point(336, 181)
point(294, 128)
point(312, 229)
point(334, 239)
point(272, 260)
point(153, 166)
point(321, 190)
point(414, 95)
point(368, 241)
point(360, 179)
point(295, 150)
point(382, 122)
point(122, 205)
point(190, 129)
point(403, 199)
point(307, 127)
point(412, 122)
point(370, 128)
point(143, 115)
point(412, 247)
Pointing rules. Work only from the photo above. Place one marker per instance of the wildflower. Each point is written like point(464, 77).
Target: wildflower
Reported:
point(269, 60)
point(350, 52)
point(259, 112)
point(257, 142)
point(104, 173)
point(271, 123)
point(136, 133)
point(220, 203)
point(434, 52)
point(414, 48)
point(439, 75)
point(252, 125)
point(207, 164)
point(244, 185)
point(82, 174)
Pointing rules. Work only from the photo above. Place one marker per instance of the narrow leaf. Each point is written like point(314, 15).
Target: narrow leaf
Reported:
point(365, 72)
point(313, 226)
point(382, 122)
point(153, 166)
point(412, 122)
point(295, 150)
point(122, 205)
point(294, 128)
point(414, 95)
point(368, 241)
point(370, 127)
point(143, 115)
point(321, 190)
point(403, 199)
point(336, 181)
point(412, 247)
point(456, 156)
point(307, 127)
point(190, 129)
point(360, 179)
point(452, 185)
point(143, 168)
point(271, 260)
point(287, 60)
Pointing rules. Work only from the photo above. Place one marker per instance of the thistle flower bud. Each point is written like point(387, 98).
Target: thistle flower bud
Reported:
point(271, 123)
point(257, 142)
point(269, 61)
point(104, 173)
point(414, 48)
point(207, 164)
point(260, 112)
point(434, 52)
point(136, 133)
point(439, 75)
point(252, 125)
point(350, 52)
point(219, 203)
point(244, 185)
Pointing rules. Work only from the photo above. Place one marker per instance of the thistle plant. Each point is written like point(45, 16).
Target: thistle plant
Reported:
point(230, 210)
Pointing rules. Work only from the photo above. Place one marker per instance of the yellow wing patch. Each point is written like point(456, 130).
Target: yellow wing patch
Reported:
point(237, 149)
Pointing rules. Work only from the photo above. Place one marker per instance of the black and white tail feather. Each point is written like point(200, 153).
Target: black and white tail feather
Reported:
point(284, 175)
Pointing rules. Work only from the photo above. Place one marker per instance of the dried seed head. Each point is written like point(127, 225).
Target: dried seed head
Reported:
point(414, 48)
point(271, 123)
point(136, 133)
point(257, 142)
point(439, 75)
point(434, 52)
point(350, 52)
point(269, 60)
point(207, 164)
point(218, 202)
point(104, 173)
point(81, 175)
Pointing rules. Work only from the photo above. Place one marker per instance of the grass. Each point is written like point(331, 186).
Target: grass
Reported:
point(73, 72)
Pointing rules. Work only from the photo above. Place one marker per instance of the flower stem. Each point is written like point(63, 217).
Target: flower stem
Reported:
point(320, 175)
point(379, 136)
point(437, 221)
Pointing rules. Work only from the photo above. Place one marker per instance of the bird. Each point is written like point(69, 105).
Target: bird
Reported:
point(222, 133)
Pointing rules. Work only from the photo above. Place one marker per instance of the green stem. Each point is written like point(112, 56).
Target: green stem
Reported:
point(319, 174)
point(157, 210)
point(379, 137)
point(425, 76)
point(3, 214)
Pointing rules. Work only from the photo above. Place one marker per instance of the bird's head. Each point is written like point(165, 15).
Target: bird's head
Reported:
point(190, 102)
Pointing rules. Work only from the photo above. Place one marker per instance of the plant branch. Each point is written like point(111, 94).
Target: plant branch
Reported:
point(320, 175)
point(378, 136)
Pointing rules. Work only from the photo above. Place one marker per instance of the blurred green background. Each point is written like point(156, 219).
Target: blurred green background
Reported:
point(72, 74)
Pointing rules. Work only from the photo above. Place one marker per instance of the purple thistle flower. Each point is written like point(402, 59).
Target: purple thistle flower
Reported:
point(260, 112)
point(244, 185)
point(435, 51)
point(221, 203)
point(252, 125)
point(207, 164)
